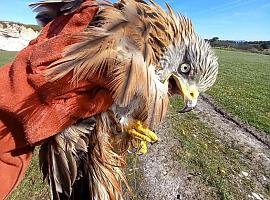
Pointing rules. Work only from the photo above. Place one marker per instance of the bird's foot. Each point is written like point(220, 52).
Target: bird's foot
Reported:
point(143, 136)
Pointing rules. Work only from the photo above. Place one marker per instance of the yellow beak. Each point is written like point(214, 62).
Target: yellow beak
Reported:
point(190, 94)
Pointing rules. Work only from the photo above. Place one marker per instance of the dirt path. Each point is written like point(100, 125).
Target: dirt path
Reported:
point(165, 178)
point(231, 130)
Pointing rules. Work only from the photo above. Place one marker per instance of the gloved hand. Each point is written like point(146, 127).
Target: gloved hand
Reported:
point(33, 109)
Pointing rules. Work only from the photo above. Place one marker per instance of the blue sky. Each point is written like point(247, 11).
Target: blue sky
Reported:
point(226, 19)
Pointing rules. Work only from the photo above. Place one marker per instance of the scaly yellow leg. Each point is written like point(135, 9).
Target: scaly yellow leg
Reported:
point(143, 134)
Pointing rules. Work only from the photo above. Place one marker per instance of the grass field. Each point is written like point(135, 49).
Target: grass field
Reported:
point(215, 164)
point(32, 186)
point(243, 87)
point(6, 56)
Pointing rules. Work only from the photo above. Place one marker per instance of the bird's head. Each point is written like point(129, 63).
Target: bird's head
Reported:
point(189, 67)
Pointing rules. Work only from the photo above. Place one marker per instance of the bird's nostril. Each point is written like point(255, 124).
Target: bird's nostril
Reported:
point(192, 94)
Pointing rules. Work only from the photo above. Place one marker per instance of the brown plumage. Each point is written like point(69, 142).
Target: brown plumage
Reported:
point(139, 50)
point(123, 44)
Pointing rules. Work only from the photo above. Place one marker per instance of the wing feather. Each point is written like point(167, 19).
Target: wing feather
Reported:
point(48, 10)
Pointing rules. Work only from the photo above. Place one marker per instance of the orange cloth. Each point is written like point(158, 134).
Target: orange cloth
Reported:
point(32, 109)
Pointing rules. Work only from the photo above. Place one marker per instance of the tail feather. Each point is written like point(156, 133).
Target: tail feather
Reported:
point(80, 162)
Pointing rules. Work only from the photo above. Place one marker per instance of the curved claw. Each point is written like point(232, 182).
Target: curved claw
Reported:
point(143, 149)
point(143, 134)
point(138, 148)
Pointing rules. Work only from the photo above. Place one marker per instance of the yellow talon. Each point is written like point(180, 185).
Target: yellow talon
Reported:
point(143, 149)
point(148, 133)
point(143, 133)
point(139, 147)
point(139, 135)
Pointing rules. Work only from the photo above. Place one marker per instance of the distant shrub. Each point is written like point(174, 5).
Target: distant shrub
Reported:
point(3, 24)
point(265, 45)
point(32, 26)
point(262, 47)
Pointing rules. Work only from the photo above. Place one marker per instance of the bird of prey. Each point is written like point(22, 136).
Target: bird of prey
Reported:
point(143, 54)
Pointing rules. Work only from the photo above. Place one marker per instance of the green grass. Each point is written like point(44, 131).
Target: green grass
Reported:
point(134, 177)
point(6, 56)
point(32, 186)
point(243, 87)
point(215, 164)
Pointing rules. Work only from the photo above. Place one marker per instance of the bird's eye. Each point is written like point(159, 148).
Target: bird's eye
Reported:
point(184, 68)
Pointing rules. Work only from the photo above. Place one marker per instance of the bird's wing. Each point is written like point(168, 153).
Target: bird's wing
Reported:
point(48, 10)
point(117, 46)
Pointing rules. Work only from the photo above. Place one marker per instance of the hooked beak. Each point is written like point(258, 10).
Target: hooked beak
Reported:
point(189, 93)
point(190, 105)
